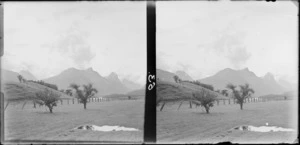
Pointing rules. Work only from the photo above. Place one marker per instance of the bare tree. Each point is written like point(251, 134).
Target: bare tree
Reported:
point(244, 92)
point(83, 95)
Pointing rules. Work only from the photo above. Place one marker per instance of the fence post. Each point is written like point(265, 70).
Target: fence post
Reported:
point(73, 100)
point(229, 101)
point(68, 101)
point(61, 102)
point(218, 102)
point(224, 102)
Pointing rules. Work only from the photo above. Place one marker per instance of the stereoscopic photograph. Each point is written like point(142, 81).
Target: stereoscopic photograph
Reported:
point(227, 71)
point(74, 71)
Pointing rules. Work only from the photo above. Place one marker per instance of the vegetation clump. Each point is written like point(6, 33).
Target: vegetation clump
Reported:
point(53, 86)
point(204, 98)
point(242, 94)
point(83, 95)
point(47, 98)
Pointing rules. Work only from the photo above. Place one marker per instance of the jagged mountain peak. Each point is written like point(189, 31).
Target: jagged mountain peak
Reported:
point(261, 85)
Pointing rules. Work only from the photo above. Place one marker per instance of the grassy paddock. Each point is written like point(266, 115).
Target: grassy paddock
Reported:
point(38, 124)
point(188, 125)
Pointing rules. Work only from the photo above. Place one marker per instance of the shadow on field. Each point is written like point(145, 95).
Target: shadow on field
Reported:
point(53, 114)
point(210, 114)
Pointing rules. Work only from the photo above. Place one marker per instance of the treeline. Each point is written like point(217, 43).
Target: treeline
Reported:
point(207, 86)
point(23, 80)
point(53, 86)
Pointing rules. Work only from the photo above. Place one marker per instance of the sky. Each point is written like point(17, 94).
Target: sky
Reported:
point(202, 38)
point(46, 38)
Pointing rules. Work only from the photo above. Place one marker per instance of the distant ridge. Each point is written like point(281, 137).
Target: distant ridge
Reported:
point(169, 76)
point(262, 85)
point(104, 85)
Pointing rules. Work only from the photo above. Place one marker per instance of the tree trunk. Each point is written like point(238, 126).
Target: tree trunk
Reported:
point(241, 105)
point(191, 105)
point(24, 105)
point(6, 105)
point(50, 109)
point(207, 109)
point(34, 105)
point(84, 105)
point(179, 105)
point(162, 106)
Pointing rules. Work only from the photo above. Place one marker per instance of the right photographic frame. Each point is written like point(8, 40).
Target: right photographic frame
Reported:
point(227, 71)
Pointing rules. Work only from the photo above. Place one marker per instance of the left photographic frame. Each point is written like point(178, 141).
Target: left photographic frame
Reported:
point(73, 72)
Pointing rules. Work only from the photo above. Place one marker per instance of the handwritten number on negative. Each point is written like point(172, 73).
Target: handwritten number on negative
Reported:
point(152, 84)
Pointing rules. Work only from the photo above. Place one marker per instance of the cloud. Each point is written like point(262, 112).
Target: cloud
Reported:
point(230, 44)
point(73, 44)
point(160, 60)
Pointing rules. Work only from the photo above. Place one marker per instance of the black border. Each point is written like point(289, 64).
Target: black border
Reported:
point(150, 104)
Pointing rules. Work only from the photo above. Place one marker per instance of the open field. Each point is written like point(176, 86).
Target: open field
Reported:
point(188, 125)
point(39, 124)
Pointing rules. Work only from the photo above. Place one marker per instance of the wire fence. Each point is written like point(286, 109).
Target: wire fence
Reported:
point(251, 100)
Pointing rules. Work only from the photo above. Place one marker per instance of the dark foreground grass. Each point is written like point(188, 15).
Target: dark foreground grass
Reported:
point(38, 124)
point(195, 126)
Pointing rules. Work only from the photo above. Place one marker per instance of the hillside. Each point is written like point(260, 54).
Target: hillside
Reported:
point(14, 91)
point(9, 76)
point(184, 76)
point(105, 85)
point(27, 75)
point(166, 76)
point(169, 91)
point(261, 85)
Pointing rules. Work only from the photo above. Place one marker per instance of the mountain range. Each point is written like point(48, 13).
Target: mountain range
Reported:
point(104, 84)
point(261, 85)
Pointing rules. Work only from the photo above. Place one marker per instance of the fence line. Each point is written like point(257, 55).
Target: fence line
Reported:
point(68, 101)
point(248, 100)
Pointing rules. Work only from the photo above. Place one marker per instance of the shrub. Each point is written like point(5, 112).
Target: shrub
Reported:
point(20, 78)
point(176, 78)
point(224, 92)
point(47, 98)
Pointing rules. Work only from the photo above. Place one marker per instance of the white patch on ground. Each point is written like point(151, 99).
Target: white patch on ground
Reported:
point(105, 128)
point(263, 128)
